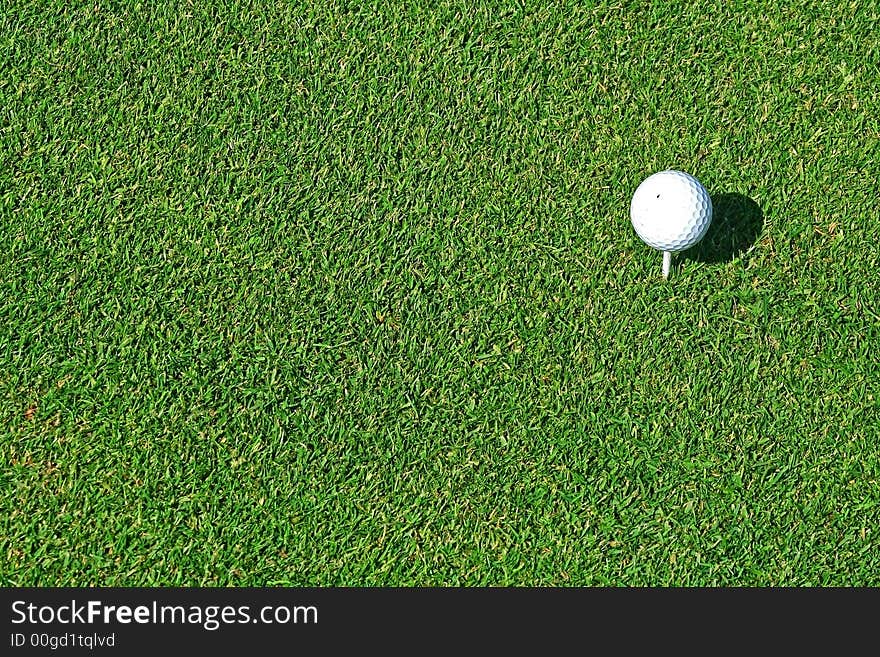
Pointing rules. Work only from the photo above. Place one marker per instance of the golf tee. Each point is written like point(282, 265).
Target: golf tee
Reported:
point(667, 263)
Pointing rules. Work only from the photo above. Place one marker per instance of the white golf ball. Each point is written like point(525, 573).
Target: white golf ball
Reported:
point(671, 210)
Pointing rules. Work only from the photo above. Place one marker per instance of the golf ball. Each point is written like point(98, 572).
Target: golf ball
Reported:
point(671, 210)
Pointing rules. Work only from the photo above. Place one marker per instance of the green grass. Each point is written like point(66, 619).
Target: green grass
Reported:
point(349, 296)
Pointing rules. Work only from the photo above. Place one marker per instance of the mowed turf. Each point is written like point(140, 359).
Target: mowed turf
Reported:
point(340, 295)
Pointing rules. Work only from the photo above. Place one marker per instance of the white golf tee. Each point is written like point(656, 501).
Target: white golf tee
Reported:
point(667, 263)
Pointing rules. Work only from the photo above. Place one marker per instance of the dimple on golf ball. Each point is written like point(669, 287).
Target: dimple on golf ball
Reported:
point(671, 211)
